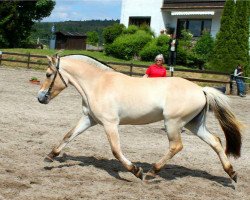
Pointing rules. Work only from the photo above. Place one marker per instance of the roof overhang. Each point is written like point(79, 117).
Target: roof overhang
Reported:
point(192, 4)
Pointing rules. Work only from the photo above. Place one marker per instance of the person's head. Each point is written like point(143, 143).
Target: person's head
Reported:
point(159, 59)
point(173, 36)
point(239, 67)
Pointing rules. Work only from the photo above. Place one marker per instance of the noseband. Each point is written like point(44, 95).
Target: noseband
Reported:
point(54, 78)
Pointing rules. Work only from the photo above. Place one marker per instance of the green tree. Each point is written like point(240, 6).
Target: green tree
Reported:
point(223, 53)
point(18, 17)
point(92, 38)
point(241, 50)
point(204, 46)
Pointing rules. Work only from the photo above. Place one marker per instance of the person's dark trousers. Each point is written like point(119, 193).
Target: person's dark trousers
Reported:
point(240, 86)
point(172, 58)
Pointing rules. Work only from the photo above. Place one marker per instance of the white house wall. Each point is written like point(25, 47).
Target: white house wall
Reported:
point(161, 19)
point(143, 8)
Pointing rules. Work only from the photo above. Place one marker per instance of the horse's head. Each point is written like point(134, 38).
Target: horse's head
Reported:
point(54, 83)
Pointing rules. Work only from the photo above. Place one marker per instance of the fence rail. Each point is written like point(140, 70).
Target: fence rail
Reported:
point(130, 66)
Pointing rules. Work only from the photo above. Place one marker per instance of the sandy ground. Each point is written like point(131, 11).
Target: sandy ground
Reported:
point(87, 169)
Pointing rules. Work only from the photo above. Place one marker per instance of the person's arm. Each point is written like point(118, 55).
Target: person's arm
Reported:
point(235, 73)
point(147, 72)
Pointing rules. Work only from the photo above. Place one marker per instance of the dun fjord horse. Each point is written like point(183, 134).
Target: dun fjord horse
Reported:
point(111, 99)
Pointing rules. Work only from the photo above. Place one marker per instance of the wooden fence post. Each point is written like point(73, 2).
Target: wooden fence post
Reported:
point(28, 65)
point(1, 54)
point(131, 69)
point(171, 71)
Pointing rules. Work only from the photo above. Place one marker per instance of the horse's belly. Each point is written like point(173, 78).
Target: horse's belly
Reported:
point(137, 118)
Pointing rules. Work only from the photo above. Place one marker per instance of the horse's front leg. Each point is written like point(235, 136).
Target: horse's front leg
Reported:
point(114, 140)
point(83, 124)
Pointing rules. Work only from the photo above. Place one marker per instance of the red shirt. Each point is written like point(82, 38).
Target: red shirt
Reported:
point(156, 71)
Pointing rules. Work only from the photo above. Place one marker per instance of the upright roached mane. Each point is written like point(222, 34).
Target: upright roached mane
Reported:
point(111, 99)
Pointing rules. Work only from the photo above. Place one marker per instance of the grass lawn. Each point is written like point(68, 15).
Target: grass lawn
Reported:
point(98, 55)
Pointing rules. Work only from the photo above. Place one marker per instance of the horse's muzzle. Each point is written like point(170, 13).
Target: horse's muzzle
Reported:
point(43, 97)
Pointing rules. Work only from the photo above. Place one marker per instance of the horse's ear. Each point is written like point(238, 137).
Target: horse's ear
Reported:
point(52, 61)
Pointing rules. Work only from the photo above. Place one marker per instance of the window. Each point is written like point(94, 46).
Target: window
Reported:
point(138, 21)
point(195, 26)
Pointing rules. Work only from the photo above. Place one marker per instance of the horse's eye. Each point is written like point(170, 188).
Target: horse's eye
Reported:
point(48, 75)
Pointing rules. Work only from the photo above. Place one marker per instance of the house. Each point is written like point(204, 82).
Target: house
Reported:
point(174, 15)
point(70, 40)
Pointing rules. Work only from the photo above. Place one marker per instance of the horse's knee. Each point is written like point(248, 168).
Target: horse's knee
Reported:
point(175, 148)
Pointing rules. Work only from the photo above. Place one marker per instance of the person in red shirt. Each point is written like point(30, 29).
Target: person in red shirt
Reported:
point(157, 69)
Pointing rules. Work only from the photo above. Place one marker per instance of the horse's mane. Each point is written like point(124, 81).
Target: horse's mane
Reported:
point(91, 60)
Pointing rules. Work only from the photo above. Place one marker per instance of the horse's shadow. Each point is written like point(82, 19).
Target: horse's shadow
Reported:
point(113, 167)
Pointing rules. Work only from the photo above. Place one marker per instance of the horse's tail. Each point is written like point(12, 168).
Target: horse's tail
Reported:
point(219, 104)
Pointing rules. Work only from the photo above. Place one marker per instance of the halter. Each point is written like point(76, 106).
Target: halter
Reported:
point(54, 78)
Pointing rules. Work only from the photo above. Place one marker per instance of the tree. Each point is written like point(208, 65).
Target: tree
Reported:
point(92, 38)
point(18, 17)
point(204, 46)
point(241, 50)
point(223, 53)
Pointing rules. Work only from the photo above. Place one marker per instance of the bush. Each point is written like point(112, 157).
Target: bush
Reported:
point(204, 46)
point(112, 32)
point(131, 29)
point(155, 47)
point(163, 40)
point(147, 29)
point(127, 46)
point(92, 38)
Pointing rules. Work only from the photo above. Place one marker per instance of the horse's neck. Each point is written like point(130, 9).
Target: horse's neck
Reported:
point(83, 76)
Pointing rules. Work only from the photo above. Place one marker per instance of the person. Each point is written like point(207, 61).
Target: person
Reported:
point(238, 75)
point(157, 69)
point(172, 49)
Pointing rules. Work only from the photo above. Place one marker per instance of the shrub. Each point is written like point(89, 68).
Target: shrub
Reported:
point(163, 40)
point(147, 29)
point(92, 38)
point(186, 39)
point(127, 46)
point(112, 32)
point(131, 29)
point(204, 46)
point(155, 47)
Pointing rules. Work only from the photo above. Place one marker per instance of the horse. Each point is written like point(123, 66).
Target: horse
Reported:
point(110, 98)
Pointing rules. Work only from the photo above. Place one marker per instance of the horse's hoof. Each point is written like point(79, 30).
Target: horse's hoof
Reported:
point(150, 176)
point(234, 177)
point(48, 159)
point(137, 171)
point(139, 174)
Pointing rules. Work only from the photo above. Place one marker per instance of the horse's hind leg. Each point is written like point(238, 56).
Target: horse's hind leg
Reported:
point(197, 126)
point(83, 124)
point(175, 146)
point(114, 140)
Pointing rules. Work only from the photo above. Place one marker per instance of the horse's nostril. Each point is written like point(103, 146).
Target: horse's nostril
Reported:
point(39, 100)
point(43, 97)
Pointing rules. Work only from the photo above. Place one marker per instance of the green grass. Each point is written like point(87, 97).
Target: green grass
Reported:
point(98, 55)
